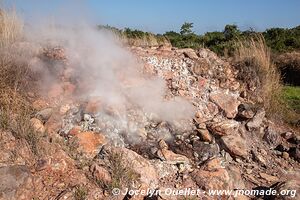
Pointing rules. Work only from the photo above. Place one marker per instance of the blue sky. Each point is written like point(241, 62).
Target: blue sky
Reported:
point(162, 15)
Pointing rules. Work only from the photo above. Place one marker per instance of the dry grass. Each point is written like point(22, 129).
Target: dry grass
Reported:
point(11, 27)
point(15, 110)
point(261, 76)
point(123, 176)
point(145, 41)
point(80, 193)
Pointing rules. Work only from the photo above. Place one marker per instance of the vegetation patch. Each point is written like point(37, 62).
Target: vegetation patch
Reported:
point(291, 95)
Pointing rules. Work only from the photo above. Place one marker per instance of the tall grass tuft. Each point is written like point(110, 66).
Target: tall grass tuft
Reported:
point(15, 109)
point(258, 72)
point(11, 27)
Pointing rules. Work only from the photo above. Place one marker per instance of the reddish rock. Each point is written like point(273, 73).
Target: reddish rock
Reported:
point(75, 130)
point(228, 103)
point(269, 178)
point(147, 173)
point(235, 145)
point(190, 53)
point(44, 114)
point(173, 158)
point(214, 176)
point(90, 142)
point(226, 127)
point(100, 173)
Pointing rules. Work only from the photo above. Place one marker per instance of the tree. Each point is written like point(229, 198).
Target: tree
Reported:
point(231, 31)
point(186, 28)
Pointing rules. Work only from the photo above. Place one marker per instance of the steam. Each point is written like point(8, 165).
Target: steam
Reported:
point(106, 69)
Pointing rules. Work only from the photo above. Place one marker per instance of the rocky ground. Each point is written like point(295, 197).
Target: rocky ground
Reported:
point(87, 148)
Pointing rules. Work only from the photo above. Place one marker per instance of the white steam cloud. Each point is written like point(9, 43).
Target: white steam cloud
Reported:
point(108, 70)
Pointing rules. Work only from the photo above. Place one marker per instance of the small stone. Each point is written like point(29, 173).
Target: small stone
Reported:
point(173, 158)
point(205, 135)
point(75, 130)
point(272, 137)
point(277, 153)
point(285, 155)
point(88, 118)
point(268, 178)
point(44, 114)
point(249, 171)
point(256, 121)
point(37, 125)
point(162, 144)
point(190, 53)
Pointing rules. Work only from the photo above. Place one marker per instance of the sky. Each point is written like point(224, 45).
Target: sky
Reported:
point(159, 16)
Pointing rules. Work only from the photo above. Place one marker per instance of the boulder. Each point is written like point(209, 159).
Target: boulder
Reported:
point(16, 183)
point(147, 173)
point(228, 103)
point(173, 158)
point(226, 127)
point(235, 145)
point(213, 175)
point(190, 53)
point(200, 67)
